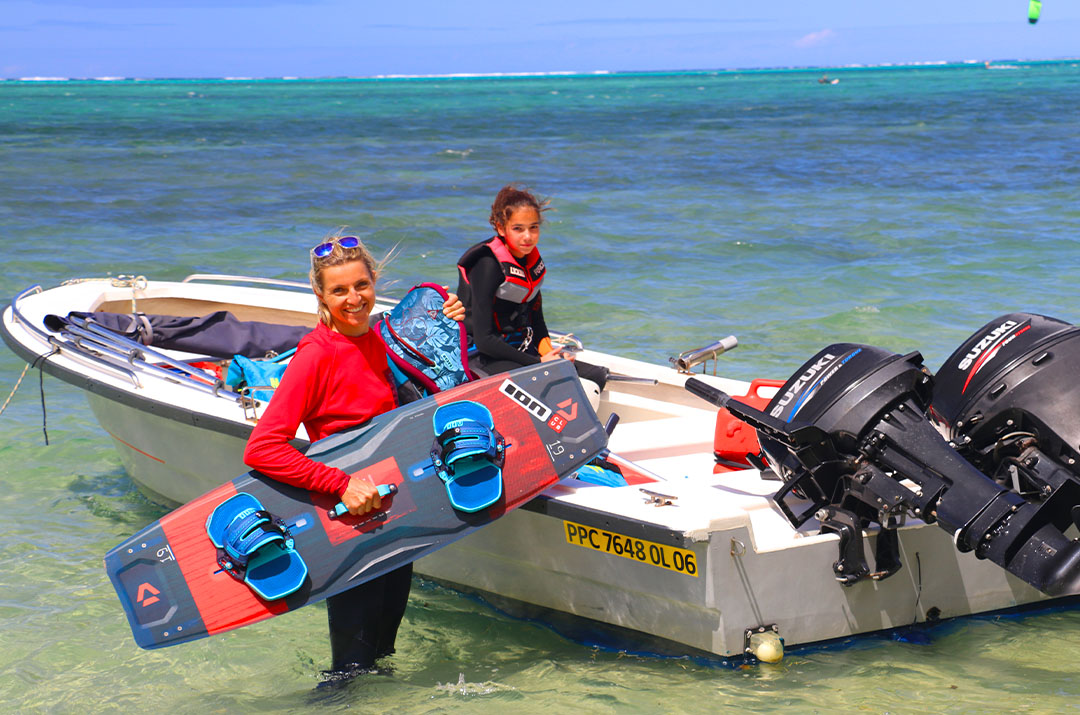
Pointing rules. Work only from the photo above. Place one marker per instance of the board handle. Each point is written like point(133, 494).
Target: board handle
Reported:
point(340, 510)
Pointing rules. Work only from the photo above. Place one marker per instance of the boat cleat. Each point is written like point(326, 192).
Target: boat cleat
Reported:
point(658, 499)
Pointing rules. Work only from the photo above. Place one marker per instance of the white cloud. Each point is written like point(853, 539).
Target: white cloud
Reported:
point(814, 39)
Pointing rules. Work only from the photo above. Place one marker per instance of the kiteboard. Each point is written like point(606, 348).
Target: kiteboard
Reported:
point(449, 464)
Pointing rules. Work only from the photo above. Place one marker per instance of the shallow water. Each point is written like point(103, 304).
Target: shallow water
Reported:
point(902, 207)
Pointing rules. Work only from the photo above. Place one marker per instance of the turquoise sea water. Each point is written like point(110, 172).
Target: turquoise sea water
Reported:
point(903, 207)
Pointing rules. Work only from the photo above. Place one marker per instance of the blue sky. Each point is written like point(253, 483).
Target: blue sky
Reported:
point(326, 38)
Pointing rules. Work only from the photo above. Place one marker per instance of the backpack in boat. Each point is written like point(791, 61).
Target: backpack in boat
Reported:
point(423, 345)
point(245, 372)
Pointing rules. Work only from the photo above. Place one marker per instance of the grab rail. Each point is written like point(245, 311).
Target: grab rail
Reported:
point(383, 299)
point(684, 362)
point(246, 279)
point(568, 341)
point(20, 318)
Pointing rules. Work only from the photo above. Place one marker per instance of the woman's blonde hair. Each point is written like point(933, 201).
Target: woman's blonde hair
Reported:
point(339, 255)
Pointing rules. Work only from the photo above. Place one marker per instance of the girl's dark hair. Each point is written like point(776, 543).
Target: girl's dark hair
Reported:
point(512, 197)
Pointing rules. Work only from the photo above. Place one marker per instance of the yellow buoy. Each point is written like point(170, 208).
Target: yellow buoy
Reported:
point(767, 646)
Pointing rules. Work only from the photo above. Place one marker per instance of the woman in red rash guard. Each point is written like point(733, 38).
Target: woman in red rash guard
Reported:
point(337, 379)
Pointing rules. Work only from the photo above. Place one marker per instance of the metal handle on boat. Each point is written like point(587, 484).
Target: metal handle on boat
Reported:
point(568, 341)
point(684, 362)
point(707, 392)
point(20, 318)
point(245, 279)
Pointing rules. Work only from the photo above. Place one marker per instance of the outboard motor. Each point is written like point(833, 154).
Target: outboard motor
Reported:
point(849, 433)
point(1008, 399)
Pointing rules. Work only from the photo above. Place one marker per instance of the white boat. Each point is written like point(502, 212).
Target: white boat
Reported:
point(686, 559)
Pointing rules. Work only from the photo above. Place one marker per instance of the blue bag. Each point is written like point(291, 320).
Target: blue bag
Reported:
point(257, 373)
point(422, 344)
point(596, 474)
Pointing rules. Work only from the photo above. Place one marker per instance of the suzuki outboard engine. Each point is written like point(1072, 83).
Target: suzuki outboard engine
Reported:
point(1008, 399)
point(849, 433)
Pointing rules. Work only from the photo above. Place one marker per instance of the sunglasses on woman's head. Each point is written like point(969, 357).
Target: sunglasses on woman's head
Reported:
point(325, 249)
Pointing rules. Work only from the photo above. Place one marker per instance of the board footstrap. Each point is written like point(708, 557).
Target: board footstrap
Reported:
point(255, 547)
point(468, 455)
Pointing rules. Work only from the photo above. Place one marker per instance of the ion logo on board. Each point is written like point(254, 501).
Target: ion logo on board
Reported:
point(535, 407)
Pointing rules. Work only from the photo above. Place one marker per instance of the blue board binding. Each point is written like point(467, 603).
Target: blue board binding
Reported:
point(255, 547)
point(468, 454)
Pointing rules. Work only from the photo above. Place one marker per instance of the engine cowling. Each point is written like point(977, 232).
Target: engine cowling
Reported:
point(849, 432)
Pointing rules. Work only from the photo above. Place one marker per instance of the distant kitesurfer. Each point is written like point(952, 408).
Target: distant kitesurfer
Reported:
point(339, 378)
point(499, 284)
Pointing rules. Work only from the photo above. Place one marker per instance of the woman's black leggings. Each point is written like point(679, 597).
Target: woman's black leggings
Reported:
point(364, 620)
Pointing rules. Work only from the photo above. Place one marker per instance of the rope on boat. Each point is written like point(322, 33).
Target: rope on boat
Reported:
point(136, 283)
point(38, 361)
point(120, 281)
point(41, 386)
point(15, 389)
point(918, 590)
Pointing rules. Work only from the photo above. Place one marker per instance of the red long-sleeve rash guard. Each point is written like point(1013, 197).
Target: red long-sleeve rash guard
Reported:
point(333, 382)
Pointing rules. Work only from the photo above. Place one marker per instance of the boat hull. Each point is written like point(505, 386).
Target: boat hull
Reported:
point(739, 588)
point(171, 461)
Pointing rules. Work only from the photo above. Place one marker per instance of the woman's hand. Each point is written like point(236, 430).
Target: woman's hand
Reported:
point(361, 496)
point(453, 308)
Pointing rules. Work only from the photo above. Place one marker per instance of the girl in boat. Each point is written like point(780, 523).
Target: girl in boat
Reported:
point(499, 283)
point(337, 379)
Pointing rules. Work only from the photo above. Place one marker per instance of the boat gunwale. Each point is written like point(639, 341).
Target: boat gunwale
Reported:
point(551, 505)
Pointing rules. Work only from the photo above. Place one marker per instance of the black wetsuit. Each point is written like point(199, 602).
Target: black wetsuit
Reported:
point(364, 620)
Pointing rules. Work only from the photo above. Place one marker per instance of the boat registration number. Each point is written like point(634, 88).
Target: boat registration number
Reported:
point(647, 552)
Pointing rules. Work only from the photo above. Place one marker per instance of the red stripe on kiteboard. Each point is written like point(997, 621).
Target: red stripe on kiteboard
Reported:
point(223, 602)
